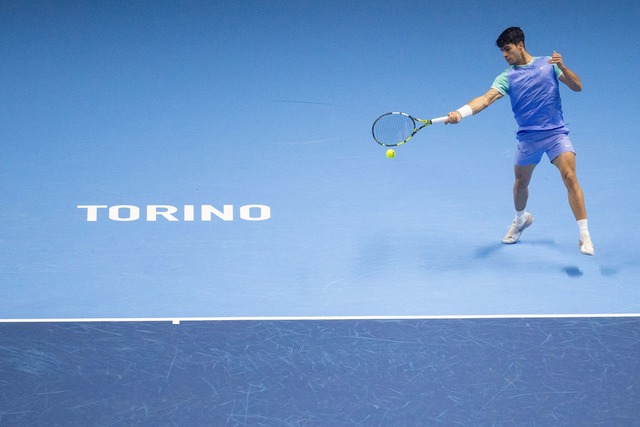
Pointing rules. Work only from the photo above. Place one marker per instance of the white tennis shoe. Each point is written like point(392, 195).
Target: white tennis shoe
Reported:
point(586, 246)
point(516, 229)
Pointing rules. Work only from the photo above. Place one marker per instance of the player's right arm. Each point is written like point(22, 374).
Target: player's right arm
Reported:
point(476, 105)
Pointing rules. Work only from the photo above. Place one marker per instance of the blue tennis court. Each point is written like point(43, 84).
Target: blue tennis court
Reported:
point(198, 228)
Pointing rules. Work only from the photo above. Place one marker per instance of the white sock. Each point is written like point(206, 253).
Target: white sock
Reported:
point(520, 216)
point(582, 226)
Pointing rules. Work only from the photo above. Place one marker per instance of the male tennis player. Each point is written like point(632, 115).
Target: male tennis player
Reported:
point(532, 84)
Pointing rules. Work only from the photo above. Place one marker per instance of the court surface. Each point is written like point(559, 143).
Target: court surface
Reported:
point(204, 176)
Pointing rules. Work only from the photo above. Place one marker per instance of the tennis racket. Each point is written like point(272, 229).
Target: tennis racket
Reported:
point(393, 129)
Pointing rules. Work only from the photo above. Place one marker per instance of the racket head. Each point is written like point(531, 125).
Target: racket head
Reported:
point(396, 128)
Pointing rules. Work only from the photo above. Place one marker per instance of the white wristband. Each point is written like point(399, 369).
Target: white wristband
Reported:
point(465, 111)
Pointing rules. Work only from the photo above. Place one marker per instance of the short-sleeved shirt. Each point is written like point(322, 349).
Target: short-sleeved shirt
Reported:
point(535, 95)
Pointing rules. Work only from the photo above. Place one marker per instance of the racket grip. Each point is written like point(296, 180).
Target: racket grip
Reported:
point(439, 119)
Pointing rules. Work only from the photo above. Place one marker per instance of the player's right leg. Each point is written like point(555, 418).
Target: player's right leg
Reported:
point(523, 219)
point(521, 185)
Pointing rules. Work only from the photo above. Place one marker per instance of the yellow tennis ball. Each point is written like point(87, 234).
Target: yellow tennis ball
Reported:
point(391, 153)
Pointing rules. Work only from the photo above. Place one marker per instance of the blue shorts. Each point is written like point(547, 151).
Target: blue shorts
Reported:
point(532, 146)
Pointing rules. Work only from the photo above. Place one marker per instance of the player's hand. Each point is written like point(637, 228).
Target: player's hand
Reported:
point(556, 58)
point(453, 118)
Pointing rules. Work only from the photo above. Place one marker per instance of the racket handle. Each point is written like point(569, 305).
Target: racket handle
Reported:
point(439, 119)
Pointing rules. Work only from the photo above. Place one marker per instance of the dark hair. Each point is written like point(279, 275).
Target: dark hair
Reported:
point(512, 35)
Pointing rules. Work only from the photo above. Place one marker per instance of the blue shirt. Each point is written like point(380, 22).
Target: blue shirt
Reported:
point(535, 95)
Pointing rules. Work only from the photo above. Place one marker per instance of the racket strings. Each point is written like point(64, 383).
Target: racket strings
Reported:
point(393, 129)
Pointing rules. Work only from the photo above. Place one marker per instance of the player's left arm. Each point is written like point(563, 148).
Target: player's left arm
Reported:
point(567, 77)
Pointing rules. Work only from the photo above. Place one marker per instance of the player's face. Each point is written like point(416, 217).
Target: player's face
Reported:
point(514, 53)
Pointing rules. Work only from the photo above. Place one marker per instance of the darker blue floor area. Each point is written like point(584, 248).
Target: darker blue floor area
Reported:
point(530, 371)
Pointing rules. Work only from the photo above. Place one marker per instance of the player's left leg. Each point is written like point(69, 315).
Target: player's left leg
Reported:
point(566, 164)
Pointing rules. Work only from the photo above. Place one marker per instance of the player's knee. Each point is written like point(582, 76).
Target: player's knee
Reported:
point(570, 179)
point(521, 184)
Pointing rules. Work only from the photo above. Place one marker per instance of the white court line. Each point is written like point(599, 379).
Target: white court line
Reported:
point(178, 320)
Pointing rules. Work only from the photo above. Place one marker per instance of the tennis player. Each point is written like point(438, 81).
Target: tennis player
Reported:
point(532, 85)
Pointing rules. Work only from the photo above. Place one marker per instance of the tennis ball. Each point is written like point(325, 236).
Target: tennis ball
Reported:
point(391, 153)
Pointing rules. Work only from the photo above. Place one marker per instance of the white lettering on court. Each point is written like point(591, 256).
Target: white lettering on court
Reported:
point(171, 213)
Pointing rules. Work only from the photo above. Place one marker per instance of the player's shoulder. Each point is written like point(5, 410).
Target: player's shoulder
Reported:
point(544, 60)
point(501, 82)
